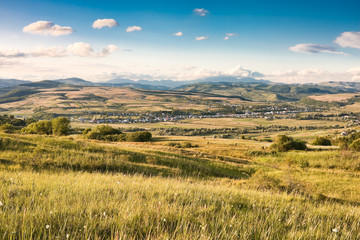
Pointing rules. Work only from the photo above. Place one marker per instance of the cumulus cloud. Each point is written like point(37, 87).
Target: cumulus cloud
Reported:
point(80, 49)
point(107, 50)
point(314, 48)
point(201, 12)
point(178, 34)
point(192, 72)
point(133, 28)
point(100, 23)
point(355, 72)
point(240, 71)
point(349, 39)
point(201, 38)
point(228, 35)
point(47, 28)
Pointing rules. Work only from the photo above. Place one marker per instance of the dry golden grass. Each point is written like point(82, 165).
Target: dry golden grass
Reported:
point(342, 97)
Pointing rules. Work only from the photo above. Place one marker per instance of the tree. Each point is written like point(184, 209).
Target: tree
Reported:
point(283, 143)
point(60, 126)
point(139, 137)
point(321, 141)
point(43, 127)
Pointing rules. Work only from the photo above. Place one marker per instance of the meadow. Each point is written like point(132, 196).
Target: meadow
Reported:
point(199, 178)
point(75, 188)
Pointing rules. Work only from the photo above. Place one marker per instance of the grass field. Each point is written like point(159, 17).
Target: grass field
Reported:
point(222, 189)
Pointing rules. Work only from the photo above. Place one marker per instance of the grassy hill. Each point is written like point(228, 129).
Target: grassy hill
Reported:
point(155, 191)
point(264, 92)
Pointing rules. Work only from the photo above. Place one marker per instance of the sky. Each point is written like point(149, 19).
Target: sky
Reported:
point(288, 41)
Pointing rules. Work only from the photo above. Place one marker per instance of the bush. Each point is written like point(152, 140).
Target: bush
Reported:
point(182, 145)
point(57, 126)
point(355, 145)
point(7, 128)
point(139, 137)
point(60, 126)
point(321, 141)
point(283, 143)
point(103, 132)
point(41, 127)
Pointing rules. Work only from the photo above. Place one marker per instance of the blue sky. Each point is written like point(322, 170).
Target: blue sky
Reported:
point(289, 41)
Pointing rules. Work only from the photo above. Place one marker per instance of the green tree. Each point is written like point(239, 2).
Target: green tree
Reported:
point(60, 126)
point(283, 143)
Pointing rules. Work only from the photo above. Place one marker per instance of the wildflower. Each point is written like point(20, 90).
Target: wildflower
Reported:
point(335, 230)
point(1, 204)
point(164, 220)
point(47, 226)
point(51, 212)
point(104, 214)
point(67, 236)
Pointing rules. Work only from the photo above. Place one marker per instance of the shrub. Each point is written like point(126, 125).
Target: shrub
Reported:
point(57, 126)
point(139, 137)
point(321, 141)
point(41, 127)
point(103, 132)
point(7, 128)
point(355, 145)
point(283, 143)
point(60, 126)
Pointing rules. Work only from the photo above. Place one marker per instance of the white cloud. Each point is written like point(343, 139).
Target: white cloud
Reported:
point(12, 53)
point(201, 38)
point(80, 49)
point(107, 50)
point(239, 71)
point(100, 23)
point(47, 28)
point(310, 75)
point(228, 35)
point(201, 12)
point(48, 52)
point(178, 34)
point(355, 72)
point(349, 39)
point(314, 48)
point(133, 28)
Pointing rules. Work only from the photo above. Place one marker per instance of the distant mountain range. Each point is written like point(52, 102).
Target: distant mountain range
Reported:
point(246, 88)
point(142, 84)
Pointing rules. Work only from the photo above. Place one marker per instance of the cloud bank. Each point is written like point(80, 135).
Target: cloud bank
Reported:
point(80, 49)
point(47, 28)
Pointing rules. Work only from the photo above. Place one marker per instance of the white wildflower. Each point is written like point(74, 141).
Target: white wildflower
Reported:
point(335, 230)
point(67, 236)
point(47, 226)
point(1, 204)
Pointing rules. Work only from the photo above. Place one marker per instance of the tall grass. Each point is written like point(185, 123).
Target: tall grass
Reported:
point(116, 206)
